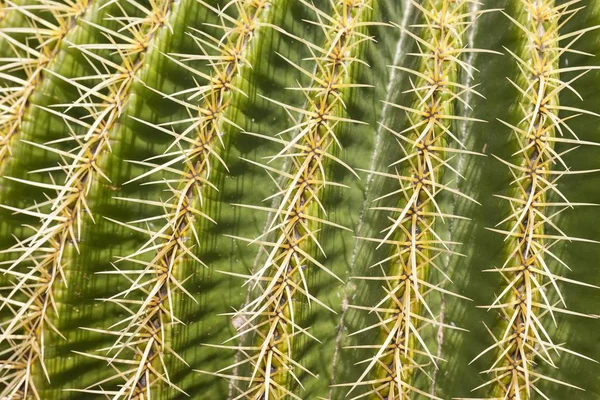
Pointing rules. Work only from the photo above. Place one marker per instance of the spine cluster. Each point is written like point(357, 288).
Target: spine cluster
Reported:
point(144, 334)
point(40, 261)
point(290, 240)
point(47, 25)
point(531, 282)
point(427, 145)
point(411, 252)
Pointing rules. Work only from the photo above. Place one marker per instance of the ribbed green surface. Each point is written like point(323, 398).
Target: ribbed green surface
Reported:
point(365, 147)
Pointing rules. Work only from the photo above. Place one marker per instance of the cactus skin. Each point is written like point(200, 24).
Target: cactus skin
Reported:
point(23, 68)
point(146, 334)
point(413, 237)
point(525, 301)
point(134, 140)
point(290, 240)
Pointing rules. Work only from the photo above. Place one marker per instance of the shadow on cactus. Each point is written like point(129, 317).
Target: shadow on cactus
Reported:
point(296, 199)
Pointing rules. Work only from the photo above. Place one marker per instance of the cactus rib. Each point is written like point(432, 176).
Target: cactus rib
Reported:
point(61, 219)
point(291, 236)
point(30, 60)
point(143, 333)
point(528, 276)
point(427, 145)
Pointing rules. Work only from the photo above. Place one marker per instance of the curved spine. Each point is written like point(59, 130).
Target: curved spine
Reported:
point(143, 334)
point(528, 275)
point(416, 245)
point(40, 263)
point(24, 71)
point(271, 319)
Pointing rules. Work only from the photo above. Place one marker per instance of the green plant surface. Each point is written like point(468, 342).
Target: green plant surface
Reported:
point(294, 199)
point(414, 241)
point(573, 332)
point(43, 251)
point(31, 35)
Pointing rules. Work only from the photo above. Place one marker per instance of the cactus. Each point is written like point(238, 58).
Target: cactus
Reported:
point(295, 199)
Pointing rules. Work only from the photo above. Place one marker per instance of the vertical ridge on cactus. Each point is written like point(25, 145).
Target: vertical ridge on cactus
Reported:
point(61, 216)
point(426, 151)
point(299, 199)
point(530, 234)
point(143, 333)
point(23, 69)
point(290, 237)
